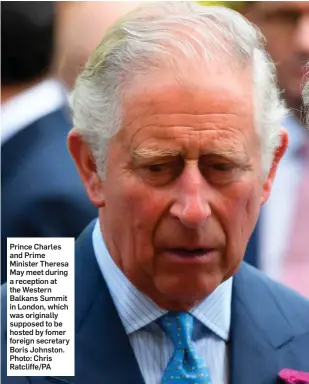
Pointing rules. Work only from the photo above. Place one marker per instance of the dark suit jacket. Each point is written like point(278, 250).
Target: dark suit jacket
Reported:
point(42, 195)
point(253, 248)
point(269, 329)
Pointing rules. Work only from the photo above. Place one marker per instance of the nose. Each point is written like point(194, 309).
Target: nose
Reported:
point(191, 205)
point(302, 35)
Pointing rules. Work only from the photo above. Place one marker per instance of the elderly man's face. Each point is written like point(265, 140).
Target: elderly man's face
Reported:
point(183, 185)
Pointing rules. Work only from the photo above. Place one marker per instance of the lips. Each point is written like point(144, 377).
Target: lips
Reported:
point(190, 252)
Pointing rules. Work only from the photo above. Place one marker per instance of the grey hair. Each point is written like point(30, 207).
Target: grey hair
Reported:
point(167, 35)
point(306, 97)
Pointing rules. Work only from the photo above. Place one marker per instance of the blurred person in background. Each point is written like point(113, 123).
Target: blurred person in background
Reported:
point(280, 244)
point(81, 26)
point(41, 192)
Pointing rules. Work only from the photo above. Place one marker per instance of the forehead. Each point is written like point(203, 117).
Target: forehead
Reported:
point(205, 102)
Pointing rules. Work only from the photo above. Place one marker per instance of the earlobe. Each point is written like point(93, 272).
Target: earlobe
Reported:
point(272, 173)
point(82, 156)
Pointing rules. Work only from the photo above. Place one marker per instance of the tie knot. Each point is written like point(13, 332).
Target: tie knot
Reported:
point(179, 327)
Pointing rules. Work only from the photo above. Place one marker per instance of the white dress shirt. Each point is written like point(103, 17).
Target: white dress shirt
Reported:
point(277, 214)
point(29, 106)
point(138, 314)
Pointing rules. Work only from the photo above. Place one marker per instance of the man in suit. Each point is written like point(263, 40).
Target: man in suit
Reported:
point(41, 192)
point(279, 244)
point(172, 146)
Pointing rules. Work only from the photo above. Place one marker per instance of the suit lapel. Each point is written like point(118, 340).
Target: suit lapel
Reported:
point(257, 331)
point(253, 249)
point(103, 351)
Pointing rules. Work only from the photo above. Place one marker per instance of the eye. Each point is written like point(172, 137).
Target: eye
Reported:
point(218, 171)
point(222, 166)
point(157, 168)
point(159, 174)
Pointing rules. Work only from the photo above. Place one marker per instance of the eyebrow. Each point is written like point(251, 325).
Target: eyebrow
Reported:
point(237, 157)
point(231, 154)
point(150, 153)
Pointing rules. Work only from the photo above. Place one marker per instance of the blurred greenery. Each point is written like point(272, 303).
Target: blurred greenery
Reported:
point(236, 5)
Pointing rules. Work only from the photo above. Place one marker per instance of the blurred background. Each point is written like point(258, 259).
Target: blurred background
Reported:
point(44, 47)
point(81, 26)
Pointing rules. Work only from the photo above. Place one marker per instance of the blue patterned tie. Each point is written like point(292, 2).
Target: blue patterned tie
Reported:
point(184, 366)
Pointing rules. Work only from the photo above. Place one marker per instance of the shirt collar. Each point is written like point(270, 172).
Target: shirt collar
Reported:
point(137, 310)
point(31, 105)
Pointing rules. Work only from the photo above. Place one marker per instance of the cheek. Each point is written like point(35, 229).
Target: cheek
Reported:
point(145, 206)
point(240, 211)
point(136, 211)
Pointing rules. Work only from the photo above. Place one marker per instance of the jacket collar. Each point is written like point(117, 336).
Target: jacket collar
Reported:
point(258, 329)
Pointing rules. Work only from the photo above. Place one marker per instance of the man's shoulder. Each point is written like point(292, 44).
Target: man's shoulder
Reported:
point(48, 138)
point(44, 139)
point(43, 166)
point(53, 124)
point(293, 306)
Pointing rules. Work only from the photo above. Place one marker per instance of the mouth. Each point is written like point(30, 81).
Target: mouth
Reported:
point(196, 252)
point(192, 255)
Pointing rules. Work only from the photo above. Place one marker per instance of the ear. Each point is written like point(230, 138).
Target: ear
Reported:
point(272, 173)
point(82, 156)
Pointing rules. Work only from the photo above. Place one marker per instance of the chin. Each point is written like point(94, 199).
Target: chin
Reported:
point(182, 294)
